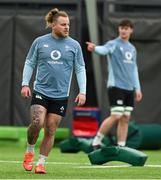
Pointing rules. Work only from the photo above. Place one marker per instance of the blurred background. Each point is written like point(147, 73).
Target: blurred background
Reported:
point(21, 21)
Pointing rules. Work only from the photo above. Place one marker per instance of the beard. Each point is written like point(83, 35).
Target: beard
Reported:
point(61, 34)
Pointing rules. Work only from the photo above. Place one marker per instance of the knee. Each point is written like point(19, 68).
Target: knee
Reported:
point(117, 112)
point(125, 119)
point(117, 117)
point(50, 131)
point(51, 125)
point(37, 123)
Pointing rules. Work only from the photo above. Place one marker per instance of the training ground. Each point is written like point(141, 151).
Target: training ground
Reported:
point(75, 166)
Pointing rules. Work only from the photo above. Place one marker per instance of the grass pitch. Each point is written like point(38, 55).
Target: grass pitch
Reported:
point(75, 166)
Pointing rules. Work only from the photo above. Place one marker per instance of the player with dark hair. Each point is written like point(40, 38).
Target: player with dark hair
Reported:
point(123, 82)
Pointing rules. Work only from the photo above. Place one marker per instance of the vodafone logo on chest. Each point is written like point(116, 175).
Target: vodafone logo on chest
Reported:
point(55, 55)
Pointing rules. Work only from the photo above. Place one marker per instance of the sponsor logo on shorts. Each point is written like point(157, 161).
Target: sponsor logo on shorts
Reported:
point(62, 109)
point(120, 102)
point(38, 96)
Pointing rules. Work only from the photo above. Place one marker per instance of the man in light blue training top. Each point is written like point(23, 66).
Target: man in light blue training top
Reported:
point(123, 82)
point(56, 56)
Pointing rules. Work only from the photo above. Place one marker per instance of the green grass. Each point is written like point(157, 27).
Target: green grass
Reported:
point(74, 166)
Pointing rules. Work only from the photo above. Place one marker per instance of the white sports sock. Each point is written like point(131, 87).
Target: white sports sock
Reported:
point(30, 148)
point(121, 143)
point(98, 139)
point(42, 159)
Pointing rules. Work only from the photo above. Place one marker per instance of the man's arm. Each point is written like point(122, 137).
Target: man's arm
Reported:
point(29, 66)
point(81, 77)
point(90, 46)
point(108, 48)
point(138, 93)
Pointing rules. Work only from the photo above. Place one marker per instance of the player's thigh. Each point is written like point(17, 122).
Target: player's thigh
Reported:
point(55, 112)
point(38, 109)
point(52, 122)
point(58, 107)
point(129, 103)
point(116, 100)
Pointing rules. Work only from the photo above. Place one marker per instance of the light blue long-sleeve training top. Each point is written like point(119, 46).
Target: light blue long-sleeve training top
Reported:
point(55, 59)
point(122, 66)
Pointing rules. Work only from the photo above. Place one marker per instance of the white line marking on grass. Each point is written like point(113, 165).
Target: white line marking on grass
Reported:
point(5, 161)
point(67, 163)
point(57, 163)
point(105, 166)
point(88, 165)
point(118, 166)
point(153, 165)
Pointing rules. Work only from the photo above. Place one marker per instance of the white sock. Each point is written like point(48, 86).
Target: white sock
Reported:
point(42, 159)
point(98, 139)
point(121, 143)
point(30, 148)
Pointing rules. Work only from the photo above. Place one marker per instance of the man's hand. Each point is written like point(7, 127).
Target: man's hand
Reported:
point(138, 95)
point(90, 46)
point(80, 99)
point(25, 92)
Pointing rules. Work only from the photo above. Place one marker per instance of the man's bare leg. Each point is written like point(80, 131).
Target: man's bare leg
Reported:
point(51, 124)
point(122, 130)
point(104, 129)
point(38, 114)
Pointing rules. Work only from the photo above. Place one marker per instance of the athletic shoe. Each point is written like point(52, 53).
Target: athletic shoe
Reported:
point(40, 169)
point(28, 161)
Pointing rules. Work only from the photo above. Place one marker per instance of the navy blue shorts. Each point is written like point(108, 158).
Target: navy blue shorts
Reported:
point(120, 97)
point(121, 101)
point(55, 106)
